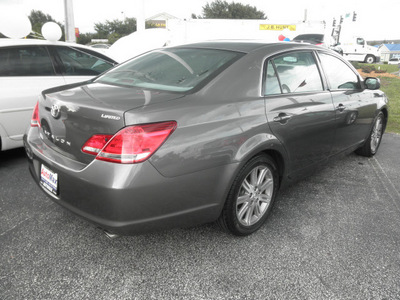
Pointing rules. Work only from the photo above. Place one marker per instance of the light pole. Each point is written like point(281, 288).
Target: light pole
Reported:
point(140, 20)
point(69, 22)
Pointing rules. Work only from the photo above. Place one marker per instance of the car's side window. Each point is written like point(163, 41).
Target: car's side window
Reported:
point(297, 73)
point(77, 62)
point(25, 61)
point(272, 86)
point(339, 75)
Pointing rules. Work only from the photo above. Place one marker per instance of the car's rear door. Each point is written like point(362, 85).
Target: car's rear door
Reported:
point(24, 72)
point(355, 107)
point(77, 65)
point(299, 109)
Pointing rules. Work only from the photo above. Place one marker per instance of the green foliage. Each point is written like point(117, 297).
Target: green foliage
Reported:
point(38, 18)
point(367, 68)
point(385, 67)
point(113, 37)
point(86, 38)
point(391, 86)
point(356, 64)
point(223, 10)
point(115, 28)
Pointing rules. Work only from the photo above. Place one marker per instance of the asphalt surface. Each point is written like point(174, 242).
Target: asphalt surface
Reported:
point(335, 235)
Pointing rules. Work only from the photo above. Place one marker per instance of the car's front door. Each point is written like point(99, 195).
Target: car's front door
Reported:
point(355, 107)
point(299, 110)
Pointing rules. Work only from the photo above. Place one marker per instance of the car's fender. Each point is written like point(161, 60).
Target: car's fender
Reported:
point(264, 143)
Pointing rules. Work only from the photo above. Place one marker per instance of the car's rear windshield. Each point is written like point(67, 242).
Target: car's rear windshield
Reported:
point(309, 37)
point(173, 69)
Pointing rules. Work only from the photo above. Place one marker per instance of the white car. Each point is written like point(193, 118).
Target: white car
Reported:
point(27, 67)
point(394, 61)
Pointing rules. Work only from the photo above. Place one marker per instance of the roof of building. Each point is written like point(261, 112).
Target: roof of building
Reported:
point(392, 47)
point(161, 16)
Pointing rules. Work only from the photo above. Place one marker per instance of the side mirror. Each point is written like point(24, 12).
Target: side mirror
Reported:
point(372, 83)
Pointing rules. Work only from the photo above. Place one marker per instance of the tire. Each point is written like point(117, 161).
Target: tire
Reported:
point(370, 59)
point(251, 196)
point(371, 145)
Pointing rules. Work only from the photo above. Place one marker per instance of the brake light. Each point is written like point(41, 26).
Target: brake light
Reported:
point(35, 120)
point(319, 44)
point(96, 143)
point(132, 144)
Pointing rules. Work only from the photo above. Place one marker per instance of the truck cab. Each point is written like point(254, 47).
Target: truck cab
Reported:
point(356, 49)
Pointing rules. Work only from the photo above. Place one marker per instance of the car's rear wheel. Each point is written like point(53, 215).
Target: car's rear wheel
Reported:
point(251, 196)
point(371, 145)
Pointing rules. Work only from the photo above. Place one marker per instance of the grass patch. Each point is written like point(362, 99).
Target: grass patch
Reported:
point(383, 68)
point(391, 87)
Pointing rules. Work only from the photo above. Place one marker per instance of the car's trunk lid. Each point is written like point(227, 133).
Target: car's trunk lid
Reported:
point(70, 115)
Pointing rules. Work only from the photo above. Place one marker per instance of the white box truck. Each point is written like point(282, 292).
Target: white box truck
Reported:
point(356, 49)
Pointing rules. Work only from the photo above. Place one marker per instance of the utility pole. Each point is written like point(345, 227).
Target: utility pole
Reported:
point(69, 22)
point(140, 20)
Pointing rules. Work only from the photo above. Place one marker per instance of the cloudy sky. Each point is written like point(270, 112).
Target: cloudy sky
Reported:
point(375, 19)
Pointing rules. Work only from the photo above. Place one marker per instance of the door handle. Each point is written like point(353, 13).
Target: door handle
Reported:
point(282, 118)
point(340, 107)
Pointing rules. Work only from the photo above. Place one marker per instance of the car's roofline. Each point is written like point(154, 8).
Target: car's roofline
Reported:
point(245, 46)
point(6, 42)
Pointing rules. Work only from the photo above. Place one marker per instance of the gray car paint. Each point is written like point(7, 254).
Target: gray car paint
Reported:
point(220, 127)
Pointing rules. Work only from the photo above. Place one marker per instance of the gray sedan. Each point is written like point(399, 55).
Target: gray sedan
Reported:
point(200, 133)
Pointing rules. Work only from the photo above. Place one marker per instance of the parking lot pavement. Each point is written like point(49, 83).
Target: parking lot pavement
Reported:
point(335, 235)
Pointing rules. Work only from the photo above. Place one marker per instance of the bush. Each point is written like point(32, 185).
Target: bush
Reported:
point(356, 64)
point(368, 69)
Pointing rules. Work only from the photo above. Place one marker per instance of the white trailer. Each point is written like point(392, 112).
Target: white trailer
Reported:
point(196, 30)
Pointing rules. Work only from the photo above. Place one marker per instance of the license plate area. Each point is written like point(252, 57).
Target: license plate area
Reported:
point(49, 180)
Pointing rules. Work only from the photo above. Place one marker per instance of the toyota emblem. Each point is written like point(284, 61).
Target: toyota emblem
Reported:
point(55, 111)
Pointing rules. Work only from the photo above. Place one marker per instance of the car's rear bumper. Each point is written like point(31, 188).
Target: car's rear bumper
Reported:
point(131, 199)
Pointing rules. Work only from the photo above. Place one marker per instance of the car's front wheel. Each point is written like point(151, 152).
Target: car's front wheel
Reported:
point(371, 145)
point(251, 196)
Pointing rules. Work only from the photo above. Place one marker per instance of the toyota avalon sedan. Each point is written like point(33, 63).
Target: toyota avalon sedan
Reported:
point(200, 133)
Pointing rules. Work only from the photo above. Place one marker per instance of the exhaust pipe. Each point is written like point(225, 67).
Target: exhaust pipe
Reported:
point(110, 235)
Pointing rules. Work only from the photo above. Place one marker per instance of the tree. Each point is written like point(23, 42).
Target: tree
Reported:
point(38, 18)
point(86, 38)
point(115, 29)
point(223, 10)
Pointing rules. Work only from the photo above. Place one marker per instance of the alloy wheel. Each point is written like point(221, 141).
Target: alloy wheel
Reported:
point(255, 195)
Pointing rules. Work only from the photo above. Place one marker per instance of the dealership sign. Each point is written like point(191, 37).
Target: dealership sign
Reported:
point(277, 27)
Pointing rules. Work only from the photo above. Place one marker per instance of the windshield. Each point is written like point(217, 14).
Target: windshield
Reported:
point(310, 37)
point(177, 70)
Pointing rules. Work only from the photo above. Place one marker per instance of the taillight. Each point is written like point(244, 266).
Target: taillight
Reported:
point(35, 121)
point(130, 145)
point(96, 143)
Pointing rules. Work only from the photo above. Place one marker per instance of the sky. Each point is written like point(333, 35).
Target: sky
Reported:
point(376, 20)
